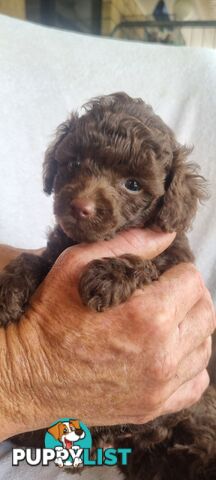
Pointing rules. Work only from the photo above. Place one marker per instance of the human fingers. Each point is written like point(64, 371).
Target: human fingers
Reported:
point(191, 366)
point(181, 288)
point(187, 394)
point(198, 324)
point(142, 242)
point(194, 363)
point(165, 303)
point(184, 397)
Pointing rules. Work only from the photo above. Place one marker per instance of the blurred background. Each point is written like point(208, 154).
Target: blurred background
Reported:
point(176, 22)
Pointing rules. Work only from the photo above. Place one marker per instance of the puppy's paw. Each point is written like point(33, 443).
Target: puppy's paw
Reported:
point(111, 281)
point(13, 296)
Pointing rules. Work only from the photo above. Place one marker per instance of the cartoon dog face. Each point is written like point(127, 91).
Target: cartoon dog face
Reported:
point(67, 432)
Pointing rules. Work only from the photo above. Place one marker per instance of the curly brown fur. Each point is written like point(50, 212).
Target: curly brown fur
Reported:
point(115, 167)
point(183, 450)
point(91, 167)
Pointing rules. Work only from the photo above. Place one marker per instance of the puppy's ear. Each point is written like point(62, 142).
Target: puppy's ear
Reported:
point(55, 431)
point(50, 165)
point(184, 188)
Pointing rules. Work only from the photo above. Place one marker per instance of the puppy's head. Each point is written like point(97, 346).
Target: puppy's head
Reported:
point(67, 432)
point(119, 166)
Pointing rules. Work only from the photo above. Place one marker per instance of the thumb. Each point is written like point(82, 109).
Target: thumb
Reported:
point(145, 243)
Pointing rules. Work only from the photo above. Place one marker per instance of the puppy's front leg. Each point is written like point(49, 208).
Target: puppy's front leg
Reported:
point(18, 281)
point(111, 281)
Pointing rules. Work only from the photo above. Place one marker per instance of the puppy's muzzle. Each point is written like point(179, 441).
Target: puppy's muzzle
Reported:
point(82, 208)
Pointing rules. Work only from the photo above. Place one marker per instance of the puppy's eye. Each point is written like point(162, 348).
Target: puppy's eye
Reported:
point(132, 185)
point(77, 163)
point(74, 164)
point(65, 430)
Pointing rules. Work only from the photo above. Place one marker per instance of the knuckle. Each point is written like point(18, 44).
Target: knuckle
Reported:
point(164, 309)
point(195, 277)
point(162, 323)
point(161, 315)
point(199, 281)
point(156, 308)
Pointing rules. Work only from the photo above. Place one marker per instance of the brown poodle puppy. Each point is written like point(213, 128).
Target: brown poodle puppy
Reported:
point(115, 167)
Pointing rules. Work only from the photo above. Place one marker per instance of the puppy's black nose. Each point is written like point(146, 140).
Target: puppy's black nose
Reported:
point(82, 207)
point(79, 431)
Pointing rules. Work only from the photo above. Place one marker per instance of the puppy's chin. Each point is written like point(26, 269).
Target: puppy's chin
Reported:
point(85, 234)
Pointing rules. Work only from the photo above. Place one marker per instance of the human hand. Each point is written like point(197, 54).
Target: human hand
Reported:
point(130, 364)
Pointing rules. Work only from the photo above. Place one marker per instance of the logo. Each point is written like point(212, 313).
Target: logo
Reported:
point(68, 443)
point(69, 438)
